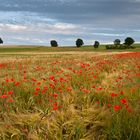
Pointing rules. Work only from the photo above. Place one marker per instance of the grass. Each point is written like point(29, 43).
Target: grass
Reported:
point(69, 97)
point(13, 49)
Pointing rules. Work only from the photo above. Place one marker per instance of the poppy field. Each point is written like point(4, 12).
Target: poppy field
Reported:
point(70, 97)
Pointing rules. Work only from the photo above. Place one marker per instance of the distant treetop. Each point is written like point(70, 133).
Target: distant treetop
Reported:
point(117, 42)
point(1, 41)
point(54, 43)
point(79, 42)
point(96, 44)
point(129, 41)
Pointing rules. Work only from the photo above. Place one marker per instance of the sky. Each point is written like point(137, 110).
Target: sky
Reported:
point(36, 22)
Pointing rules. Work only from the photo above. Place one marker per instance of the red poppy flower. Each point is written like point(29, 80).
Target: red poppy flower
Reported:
point(121, 92)
point(10, 92)
point(113, 95)
point(17, 84)
point(11, 101)
point(123, 101)
point(37, 89)
point(4, 96)
point(117, 107)
point(52, 78)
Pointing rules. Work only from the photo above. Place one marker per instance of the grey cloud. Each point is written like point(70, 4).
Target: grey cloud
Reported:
point(75, 11)
point(68, 19)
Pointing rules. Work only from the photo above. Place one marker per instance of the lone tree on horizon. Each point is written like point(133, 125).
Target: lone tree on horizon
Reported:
point(1, 41)
point(96, 44)
point(54, 43)
point(117, 42)
point(129, 41)
point(79, 42)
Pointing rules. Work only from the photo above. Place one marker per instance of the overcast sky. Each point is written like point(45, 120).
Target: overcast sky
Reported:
point(39, 21)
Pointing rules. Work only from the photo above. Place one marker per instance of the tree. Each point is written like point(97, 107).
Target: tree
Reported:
point(117, 42)
point(96, 44)
point(79, 42)
point(1, 41)
point(129, 41)
point(53, 43)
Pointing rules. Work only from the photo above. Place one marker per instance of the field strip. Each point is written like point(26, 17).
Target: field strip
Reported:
point(65, 53)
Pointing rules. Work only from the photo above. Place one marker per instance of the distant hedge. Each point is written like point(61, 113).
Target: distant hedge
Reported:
point(121, 46)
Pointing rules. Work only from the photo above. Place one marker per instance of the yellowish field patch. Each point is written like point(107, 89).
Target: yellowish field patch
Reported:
point(66, 52)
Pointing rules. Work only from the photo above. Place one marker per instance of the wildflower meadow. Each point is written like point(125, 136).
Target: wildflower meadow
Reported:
point(70, 97)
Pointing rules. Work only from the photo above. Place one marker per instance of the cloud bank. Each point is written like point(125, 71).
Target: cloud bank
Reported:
point(39, 21)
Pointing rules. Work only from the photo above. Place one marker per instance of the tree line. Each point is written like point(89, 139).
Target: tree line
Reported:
point(79, 42)
point(126, 45)
point(117, 43)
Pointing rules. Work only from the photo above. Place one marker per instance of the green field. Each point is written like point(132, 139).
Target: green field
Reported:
point(69, 93)
point(4, 49)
